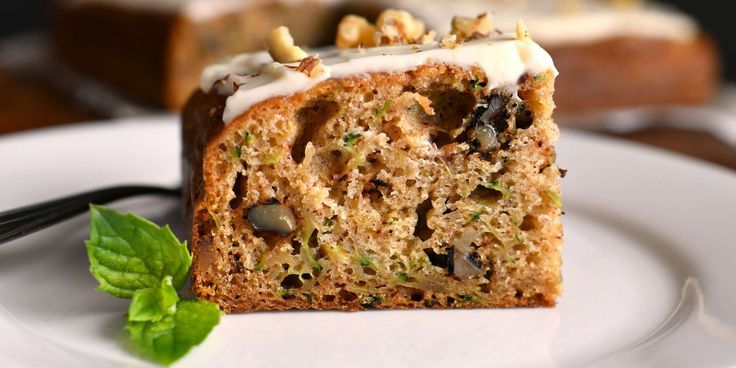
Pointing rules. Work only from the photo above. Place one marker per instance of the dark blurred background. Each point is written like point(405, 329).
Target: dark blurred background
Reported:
point(716, 16)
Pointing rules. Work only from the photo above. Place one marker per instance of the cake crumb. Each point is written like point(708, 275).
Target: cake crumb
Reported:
point(425, 103)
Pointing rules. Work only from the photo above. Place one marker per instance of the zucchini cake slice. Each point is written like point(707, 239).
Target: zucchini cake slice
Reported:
point(398, 176)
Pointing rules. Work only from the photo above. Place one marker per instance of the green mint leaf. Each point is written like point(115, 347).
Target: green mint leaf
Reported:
point(129, 253)
point(171, 337)
point(153, 304)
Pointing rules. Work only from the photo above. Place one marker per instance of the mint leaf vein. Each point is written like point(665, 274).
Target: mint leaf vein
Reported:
point(134, 258)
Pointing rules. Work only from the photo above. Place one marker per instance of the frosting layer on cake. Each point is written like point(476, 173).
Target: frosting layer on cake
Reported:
point(252, 78)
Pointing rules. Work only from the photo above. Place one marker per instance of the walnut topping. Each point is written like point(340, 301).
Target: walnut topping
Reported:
point(472, 28)
point(355, 31)
point(522, 33)
point(281, 46)
point(399, 27)
point(428, 37)
point(393, 27)
point(311, 66)
point(450, 41)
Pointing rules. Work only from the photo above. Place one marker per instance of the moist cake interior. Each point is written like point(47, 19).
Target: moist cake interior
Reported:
point(423, 188)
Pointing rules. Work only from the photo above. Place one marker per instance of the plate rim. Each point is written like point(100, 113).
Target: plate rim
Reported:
point(637, 148)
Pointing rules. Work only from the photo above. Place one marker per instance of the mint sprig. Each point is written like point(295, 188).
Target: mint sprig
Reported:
point(133, 258)
point(128, 253)
point(153, 304)
point(170, 338)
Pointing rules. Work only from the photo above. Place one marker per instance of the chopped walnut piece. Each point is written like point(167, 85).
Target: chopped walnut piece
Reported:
point(311, 66)
point(389, 35)
point(522, 33)
point(450, 41)
point(281, 46)
point(398, 27)
point(428, 37)
point(393, 27)
point(472, 28)
point(355, 31)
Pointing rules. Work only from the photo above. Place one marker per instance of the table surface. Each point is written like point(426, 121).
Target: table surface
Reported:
point(27, 102)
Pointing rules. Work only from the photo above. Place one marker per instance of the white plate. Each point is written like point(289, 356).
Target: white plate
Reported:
point(650, 260)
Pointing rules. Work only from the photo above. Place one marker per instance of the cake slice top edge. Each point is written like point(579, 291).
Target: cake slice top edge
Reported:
point(250, 78)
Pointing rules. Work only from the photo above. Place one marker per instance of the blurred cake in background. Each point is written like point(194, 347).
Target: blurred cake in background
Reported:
point(152, 51)
point(610, 53)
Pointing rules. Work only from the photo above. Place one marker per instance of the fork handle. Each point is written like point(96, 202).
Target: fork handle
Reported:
point(26, 220)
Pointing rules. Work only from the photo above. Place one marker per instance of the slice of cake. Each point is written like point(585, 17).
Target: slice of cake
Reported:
point(398, 176)
point(152, 51)
point(610, 53)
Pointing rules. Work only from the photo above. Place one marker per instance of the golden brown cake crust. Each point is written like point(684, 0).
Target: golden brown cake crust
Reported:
point(629, 72)
point(240, 268)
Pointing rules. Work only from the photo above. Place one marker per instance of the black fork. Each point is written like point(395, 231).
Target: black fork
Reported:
point(26, 220)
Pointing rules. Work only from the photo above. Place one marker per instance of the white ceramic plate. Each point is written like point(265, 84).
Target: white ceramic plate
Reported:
point(650, 266)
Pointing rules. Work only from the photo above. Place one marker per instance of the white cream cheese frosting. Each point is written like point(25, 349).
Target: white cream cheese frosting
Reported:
point(561, 22)
point(504, 59)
